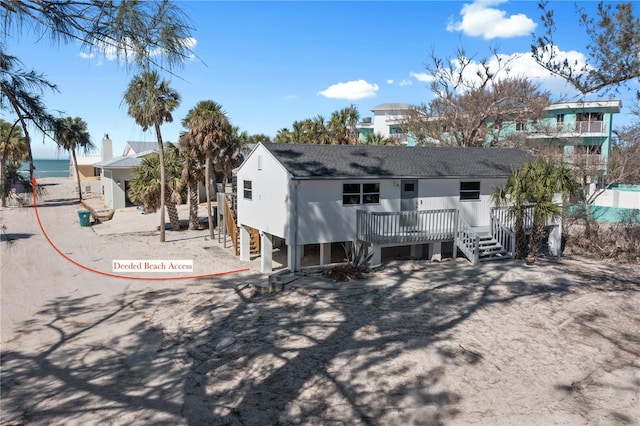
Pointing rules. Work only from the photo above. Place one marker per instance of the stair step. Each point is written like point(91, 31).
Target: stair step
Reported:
point(490, 246)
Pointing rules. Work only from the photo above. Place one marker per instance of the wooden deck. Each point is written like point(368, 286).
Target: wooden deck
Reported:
point(406, 227)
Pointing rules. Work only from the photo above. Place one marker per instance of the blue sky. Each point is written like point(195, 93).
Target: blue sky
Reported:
point(270, 63)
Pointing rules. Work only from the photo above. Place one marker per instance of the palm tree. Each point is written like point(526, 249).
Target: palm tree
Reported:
point(514, 195)
point(13, 150)
point(71, 134)
point(151, 102)
point(191, 175)
point(377, 139)
point(537, 182)
point(232, 153)
point(208, 128)
point(145, 185)
point(17, 89)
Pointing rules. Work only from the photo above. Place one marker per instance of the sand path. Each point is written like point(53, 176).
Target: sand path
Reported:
point(417, 343)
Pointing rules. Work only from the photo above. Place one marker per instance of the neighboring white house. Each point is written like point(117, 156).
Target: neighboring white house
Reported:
point(87, 164)
point(380, 196)
point(115, 173)
point(386, 122)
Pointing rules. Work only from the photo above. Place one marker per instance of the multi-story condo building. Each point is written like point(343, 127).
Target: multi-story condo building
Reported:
point(579, 132)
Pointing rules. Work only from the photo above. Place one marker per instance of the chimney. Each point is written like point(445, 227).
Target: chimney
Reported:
point(107, 148)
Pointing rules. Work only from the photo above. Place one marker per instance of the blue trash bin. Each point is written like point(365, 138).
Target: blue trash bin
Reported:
point(84, 216)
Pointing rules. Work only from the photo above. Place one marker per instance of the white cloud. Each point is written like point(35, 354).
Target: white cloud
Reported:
point(290, 97)
point(523, 65)
point(351, 90)
point(480, 19)
point(421, 76)
point(405, 83)
point(85, 55)
point(389, 81)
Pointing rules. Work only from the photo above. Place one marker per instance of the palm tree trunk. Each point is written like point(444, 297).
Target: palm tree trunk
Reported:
point(3, 182)
point(163, 183)
point(207, 185)
point(193, 205)
point(172, 209)
point(75, 164)
point(521, 239)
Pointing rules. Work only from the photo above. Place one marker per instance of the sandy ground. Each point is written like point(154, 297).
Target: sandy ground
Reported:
point(416, 343)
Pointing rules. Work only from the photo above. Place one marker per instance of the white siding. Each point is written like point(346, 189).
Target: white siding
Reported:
point(445, 194)
point(322, 217)
point(268, 209)
point(314, 207)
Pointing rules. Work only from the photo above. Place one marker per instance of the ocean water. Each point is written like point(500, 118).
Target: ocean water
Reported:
point(47, 168)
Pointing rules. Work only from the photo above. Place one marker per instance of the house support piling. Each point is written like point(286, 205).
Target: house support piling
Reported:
point(245, 243)
point(325, 253)
point(376, 249)
point(435, 251)
point(293, 257)
point(266, 253)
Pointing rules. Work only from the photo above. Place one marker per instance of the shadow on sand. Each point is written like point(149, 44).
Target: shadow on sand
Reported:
point(299, 356)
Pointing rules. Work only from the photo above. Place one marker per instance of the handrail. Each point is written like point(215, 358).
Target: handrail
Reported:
point(501, 233)
point(403, 227)
point(507, 218)
point(468, 241)
point(231, 226)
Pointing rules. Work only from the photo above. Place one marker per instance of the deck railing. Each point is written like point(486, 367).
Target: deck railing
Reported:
point(503, 234)
point(406, 226)
point(468, 241)
point(506, 218)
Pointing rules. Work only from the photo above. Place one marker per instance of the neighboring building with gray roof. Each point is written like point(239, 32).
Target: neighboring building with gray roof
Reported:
point(133, 148)
point(380, 196)
point(116, 172)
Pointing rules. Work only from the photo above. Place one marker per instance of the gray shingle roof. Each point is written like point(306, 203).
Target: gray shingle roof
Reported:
point(138, 147)
point(127, 162)
point(391, 106)
point(366, 161)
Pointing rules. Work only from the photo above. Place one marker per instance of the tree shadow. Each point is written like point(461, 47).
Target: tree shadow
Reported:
point(358, 354)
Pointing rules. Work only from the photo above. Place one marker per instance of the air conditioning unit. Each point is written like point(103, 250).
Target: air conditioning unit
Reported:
point(366, 120)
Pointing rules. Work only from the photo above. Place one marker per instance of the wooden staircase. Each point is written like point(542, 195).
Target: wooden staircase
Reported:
point(231, 225)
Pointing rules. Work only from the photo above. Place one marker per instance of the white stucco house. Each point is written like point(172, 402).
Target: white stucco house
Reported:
point(380, 196)
point(116, 172)
point(386, 122)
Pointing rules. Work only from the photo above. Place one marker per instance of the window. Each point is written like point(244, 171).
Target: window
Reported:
point(248, 191)
point(360, 193)
point(370, 193)
point(521, 126)
point(469, 190)
point(559, 118)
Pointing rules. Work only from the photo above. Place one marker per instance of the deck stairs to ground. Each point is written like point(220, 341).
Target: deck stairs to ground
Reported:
point(490, 248)
point(232, 229)
point(484, 244)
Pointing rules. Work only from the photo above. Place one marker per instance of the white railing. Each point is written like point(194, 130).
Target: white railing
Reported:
point(503, 234)
point(507, 218)
point(468, 241)
point(405, 227)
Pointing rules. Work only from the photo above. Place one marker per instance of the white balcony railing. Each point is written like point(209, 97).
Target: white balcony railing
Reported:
point(404, 227)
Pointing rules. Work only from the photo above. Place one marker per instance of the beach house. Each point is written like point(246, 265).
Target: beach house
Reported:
point(116, 172)
point(432, 199)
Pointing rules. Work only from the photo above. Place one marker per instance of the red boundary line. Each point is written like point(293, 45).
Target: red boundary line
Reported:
point(112, 275)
